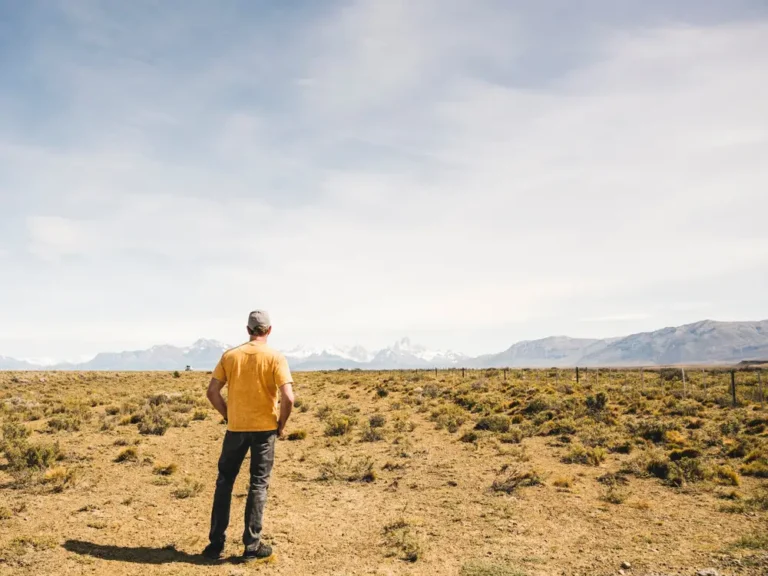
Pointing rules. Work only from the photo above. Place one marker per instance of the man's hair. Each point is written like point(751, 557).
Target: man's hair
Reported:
point(259, 330)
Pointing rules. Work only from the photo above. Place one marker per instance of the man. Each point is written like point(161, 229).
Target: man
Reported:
point(254, 373)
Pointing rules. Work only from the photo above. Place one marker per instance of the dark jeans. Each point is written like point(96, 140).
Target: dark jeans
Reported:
point(236, 446)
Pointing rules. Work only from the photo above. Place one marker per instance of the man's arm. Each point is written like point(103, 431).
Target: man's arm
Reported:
point(215, 397)
point(286, 406)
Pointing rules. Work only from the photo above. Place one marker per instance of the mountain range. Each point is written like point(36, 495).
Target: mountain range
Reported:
point(705, 342)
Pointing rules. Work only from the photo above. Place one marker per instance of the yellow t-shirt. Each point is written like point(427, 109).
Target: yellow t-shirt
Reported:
point(254, 372)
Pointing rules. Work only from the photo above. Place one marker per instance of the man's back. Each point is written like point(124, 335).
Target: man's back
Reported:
point(254, 373)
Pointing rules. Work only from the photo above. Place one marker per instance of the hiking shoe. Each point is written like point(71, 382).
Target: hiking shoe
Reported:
point(261, 554)
point(213, 551)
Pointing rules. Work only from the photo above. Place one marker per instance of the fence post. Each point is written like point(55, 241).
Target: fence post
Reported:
point(733, 386)
point(462, 372)
point(685, 385)
point(642, 377)
point(577, 374)
point(760, 386)
point(505, 374)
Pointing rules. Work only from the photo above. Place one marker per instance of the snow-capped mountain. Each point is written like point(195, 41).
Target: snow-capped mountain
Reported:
point(705, 342)
point(353, 353)
point(402, 354)
point(204, 355)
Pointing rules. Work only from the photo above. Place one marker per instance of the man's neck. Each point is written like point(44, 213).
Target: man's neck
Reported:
point(256, 339)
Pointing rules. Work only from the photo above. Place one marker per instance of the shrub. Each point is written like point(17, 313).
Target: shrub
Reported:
point(757, 468)
point(66, 423)
point(509, 480)
point(597, 403)
point(176, 374)
point(377, 420)
point(402, 542)
point(470, 436)
point(514, 436)
point(494, 423)
point(677, 455)
point(653, 430)
point(371, 434)
point(401, 423)
point(112, 410)
point(324, 412)
point(563, 482)
point(188, 489)
point(199, 414)
point(338, 425)
point(757, 541)
point(165, 469)
point(614, 494)
point(536, 405)
point(726, 475)
point(450, 417)
point(129, 454)
point(60, 478)
point(681, 472)
point(578, 454)
point(41, 456)
point(13, 433)
point(352, 470)
point(561, 427)
point(154, 421)
point(297, 435)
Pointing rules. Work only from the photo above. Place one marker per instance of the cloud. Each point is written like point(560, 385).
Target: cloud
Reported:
point(52, 237)
point(618, 317)
point(384, 167)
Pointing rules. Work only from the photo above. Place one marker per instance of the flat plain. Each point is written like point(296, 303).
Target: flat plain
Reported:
point(482, 473)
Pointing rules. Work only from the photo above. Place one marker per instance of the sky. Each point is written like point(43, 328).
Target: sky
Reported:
point(465, 173)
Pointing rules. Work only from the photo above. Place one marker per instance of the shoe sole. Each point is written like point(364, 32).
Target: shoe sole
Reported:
point(268, 560)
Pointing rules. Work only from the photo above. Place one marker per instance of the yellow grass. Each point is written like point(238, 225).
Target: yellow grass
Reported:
point(113, 473)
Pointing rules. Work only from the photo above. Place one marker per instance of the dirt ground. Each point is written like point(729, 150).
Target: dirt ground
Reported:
point(429, 511)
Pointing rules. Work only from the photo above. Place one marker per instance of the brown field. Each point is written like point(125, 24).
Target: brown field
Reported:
point(388, 473)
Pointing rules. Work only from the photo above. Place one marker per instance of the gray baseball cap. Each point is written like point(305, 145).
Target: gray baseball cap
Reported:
point(259, 319)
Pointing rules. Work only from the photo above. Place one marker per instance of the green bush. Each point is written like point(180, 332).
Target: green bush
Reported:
point(297, 435)
point(66, 423)
point(371, 434)
point(338, 425)
point(494, 423)
point(470, 436)
point(597, 403)
point(578, 454)
point(377, 420)
point(154, 421)
point(449, 416)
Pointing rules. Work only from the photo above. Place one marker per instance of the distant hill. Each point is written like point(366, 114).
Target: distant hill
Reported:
point(705, 342)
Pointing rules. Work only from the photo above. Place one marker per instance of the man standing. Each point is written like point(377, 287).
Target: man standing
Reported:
point(254, 373)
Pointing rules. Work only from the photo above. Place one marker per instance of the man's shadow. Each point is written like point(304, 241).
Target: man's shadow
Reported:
point(137, 554)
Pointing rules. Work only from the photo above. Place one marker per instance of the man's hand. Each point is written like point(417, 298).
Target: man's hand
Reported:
point(215, 397)
point(286, 405)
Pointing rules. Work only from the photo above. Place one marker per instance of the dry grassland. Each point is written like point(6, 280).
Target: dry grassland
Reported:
point(389, 473)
